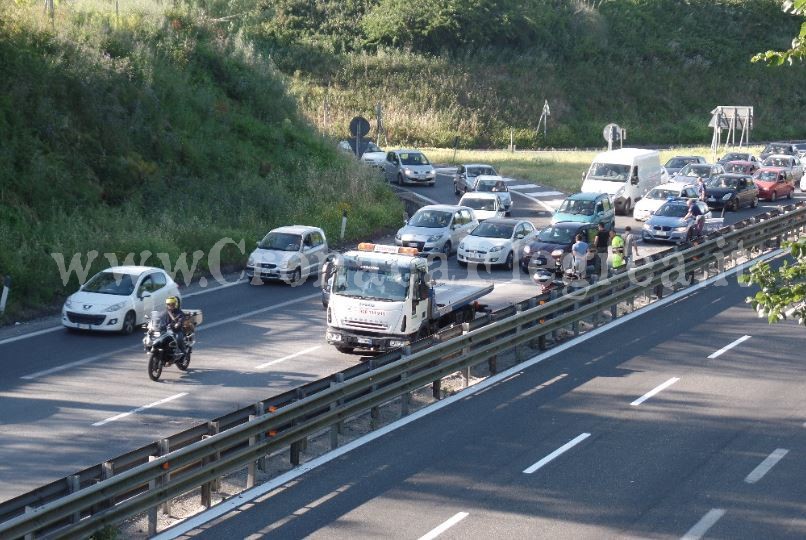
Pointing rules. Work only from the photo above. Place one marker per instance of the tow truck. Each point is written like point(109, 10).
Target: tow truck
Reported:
point(381, 297)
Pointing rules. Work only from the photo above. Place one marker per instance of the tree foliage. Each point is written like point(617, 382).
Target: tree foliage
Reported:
point(797, 51)
point(783, 289)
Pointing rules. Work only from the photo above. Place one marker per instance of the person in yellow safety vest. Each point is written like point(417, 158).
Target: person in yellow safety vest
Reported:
point(617, 261)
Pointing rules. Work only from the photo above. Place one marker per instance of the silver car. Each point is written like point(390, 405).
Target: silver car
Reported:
point(437, 228)
point(409, 167)
point(465, 178)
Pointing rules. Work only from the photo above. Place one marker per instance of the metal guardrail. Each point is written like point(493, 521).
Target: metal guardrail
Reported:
point(140, 480)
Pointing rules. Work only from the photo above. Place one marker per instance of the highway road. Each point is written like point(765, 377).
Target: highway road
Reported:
point(69, 401)
point(686, 422)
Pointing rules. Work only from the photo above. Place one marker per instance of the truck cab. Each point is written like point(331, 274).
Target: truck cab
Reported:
point(382, 297)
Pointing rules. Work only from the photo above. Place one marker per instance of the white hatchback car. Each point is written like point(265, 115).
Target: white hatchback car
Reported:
point(496, 241)
point(289, 254)
point(484, 205)
point(659, 195)
point(118, 299)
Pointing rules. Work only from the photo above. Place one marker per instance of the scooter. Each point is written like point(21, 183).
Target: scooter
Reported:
point(162, 347)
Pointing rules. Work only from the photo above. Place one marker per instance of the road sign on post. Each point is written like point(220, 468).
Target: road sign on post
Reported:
point(612, 132)
point(359, 127)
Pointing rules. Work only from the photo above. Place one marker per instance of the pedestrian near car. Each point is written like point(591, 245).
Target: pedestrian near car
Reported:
point(600, 243)
point(580, 255)
point(701, 192)
point(617, 261)
point(695, 213)
point(630, 246)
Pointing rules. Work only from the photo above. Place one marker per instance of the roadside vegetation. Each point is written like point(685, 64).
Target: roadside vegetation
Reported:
point(156, 132)
point(480, 70)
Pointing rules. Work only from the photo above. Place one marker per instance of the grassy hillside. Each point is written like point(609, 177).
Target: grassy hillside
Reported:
point(153, 131)
point(476, 69)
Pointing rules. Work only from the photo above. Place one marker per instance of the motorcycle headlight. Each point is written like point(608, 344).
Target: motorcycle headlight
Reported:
point(435, 238)
point(115, 307)
point(727, 196)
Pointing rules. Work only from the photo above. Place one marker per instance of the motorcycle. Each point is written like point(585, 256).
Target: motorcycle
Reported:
point(162, 347)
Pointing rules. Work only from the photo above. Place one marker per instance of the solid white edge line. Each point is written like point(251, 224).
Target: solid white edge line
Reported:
point(228, 505)
point(655, 390)
point(561, 450)
point(706, 522)
point(30, 335)
point(765, 466)
point(140, 409)
point(430, 535)
point(289, 357)
point(205, 325)
point(423, 197)
point(728, 347)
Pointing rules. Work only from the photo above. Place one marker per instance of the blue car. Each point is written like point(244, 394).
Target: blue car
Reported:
point(593, 208)
point(667, 224)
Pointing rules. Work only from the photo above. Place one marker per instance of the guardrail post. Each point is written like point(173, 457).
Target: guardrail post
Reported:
point(28, 510)
point(73, 485)
point(340, 424)
point(518, 332)
point(165, 448)
point(374, 412)
point(152, 512)
point(260, 410)
point(405, 398)
point(296, 446)
point(251, 468)
point(334, 429)
point(575, 324)
point(215, 428)
point(465, 351)
point(436, 386)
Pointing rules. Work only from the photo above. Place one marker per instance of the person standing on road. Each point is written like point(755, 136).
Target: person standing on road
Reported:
point(701, 193)
point(579, 252)
point(630, 246)
point(617, 262)
point(600, 244)
point(695, 213)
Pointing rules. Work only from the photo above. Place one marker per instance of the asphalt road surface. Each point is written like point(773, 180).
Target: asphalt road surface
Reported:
point(69, 401)
point(686, 422)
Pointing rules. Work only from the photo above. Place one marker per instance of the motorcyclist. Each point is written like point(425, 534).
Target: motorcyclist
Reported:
point(174, 318)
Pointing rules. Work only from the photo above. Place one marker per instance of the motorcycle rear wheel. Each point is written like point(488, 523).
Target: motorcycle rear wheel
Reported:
point(154, 367)
point(184, 362)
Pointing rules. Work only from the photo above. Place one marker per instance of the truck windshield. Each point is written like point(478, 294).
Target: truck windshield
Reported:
point(612, 172)
point(372, 282)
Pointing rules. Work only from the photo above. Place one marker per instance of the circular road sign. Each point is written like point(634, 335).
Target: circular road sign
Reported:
point(359, 126)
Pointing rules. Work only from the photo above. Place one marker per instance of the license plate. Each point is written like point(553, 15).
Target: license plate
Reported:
point(661, 233)
point(475, 259)
point(364, 341)
point(412, 244)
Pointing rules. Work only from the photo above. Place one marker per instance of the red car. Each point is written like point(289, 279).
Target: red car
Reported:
point(741, 167)
point(774, 182)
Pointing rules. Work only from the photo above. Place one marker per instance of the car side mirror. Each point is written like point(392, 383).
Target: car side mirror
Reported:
point(634, 181)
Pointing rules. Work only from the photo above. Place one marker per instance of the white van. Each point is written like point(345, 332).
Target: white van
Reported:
point(626, 175)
